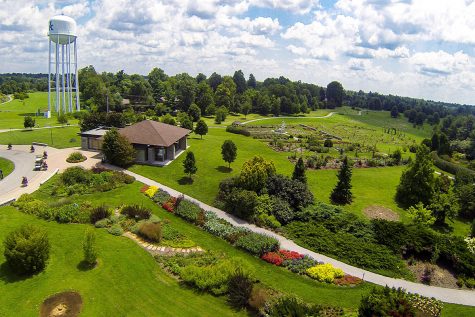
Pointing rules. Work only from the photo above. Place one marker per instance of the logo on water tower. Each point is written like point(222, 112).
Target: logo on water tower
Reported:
point(51, 25)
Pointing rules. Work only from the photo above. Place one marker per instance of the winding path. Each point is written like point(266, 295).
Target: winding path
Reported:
point(462, 297)
point(271, 118)
point(10, 98)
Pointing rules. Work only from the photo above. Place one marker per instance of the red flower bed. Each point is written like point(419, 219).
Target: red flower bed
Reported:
point(144, 188)
point(290, 255)
point(170, 204)
point(273, 258)
point(347, 280)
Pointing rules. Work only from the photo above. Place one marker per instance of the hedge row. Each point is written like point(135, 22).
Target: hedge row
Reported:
point(449, 167)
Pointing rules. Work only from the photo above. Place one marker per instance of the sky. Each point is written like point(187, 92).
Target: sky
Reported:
point(418, 48)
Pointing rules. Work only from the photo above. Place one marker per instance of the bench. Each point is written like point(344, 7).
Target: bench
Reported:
point(39, 144)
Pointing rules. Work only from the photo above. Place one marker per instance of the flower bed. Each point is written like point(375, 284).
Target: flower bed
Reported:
point(150, 192)
point(264, 246)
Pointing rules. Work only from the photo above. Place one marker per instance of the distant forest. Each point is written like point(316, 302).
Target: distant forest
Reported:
point(163, 94)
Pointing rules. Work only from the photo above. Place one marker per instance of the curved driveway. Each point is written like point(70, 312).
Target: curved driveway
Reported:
point(24, 164)
point(270, 118)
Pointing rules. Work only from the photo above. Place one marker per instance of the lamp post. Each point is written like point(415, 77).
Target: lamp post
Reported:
point(51, 133)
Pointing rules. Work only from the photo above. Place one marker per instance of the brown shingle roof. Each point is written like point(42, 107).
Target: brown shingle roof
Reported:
point(153, 133)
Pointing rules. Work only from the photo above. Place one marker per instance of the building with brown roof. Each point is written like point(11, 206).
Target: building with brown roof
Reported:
point(155, 143)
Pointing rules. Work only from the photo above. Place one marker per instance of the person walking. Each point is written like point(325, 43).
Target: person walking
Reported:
point(1, 174)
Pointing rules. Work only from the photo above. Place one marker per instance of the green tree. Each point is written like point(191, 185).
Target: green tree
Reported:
point(299, 171)
point(394, 112)
point(229, 152)
point(444, 203)
point(334, 94)
point(168, 119)
point(201, 128)
point(224, 96)
point(204, 97)
point(28, 122)
point(185, 90)
point(240, 81)
point(200, 78)
point(420, 215)
point(117, 149)
point(417, 181)
point(62, 119)
point(186, 123)
point(89, 247)
point(194, 112)
point(189, 164)
point(155, 78)
point(251, 82)
point(214, 81)
point(341, 194)
point(27, 249)
point(255, 172)
point(221, 115)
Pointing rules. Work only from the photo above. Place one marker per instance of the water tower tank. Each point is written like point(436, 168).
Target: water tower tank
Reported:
point(62, 29)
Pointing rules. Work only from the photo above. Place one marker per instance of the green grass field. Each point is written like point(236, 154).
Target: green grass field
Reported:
point(125, 268)
point(128, 282)
point(55, 137)
point(6, 166)
point(13, 113)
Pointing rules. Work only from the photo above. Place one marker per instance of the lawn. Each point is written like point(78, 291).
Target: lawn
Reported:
point(13, 113)
point(6, 166)
point(129, 282)
point(276, 277)
point(62, 137)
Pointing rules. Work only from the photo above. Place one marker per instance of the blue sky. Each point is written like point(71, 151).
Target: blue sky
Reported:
point(418, 48)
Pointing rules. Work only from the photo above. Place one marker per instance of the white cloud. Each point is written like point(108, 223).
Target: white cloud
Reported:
point(440, 62)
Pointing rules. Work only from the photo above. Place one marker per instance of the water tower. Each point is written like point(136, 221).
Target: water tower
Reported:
point(63, 82)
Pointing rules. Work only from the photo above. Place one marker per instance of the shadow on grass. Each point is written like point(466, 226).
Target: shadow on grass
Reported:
point(8, 276)
point(85, 266)
point(224, 169)
point(185, 180)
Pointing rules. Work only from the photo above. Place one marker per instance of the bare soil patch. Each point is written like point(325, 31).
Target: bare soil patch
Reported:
point(380, 212)
point(66, 304)
point(433, 274)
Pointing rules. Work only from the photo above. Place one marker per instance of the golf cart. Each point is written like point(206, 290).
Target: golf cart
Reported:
point(38, 162)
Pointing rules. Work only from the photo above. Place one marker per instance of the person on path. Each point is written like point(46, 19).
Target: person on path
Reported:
point(1, 174)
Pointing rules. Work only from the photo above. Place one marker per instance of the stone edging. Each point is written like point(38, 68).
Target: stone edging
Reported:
point(160, 250)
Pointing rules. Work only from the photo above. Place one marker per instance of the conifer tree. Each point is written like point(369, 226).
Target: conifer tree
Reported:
point(299, 171)
point(341, 194)
point(189, 164)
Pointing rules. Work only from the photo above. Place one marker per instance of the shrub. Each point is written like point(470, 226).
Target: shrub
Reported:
point(291, 306)
point(75, 175)
point(150, 192)
point(98, 213)
point(449, 167)
point(76, 157)
point(328, 143)
point(294, 192)
point(241, 203)
point(237, 130)
point(257, 243)
point(89, 247)
point(188, 210)
point(301, 265)
point(103, 223)
point(161, 197)
point(325, 273)
point(218, 227)
point(151, 231)
point(282, 211)
point(68, 213)
point(27, 249)
point(259, 297)
point(115, 230)
point(273, 258)
point(136, 212)
point(213, 278)
point(347, 280)
point(239, 287)
point(385, 302)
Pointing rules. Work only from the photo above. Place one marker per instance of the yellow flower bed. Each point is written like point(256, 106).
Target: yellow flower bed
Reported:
point(325, 272)
point(150, 192)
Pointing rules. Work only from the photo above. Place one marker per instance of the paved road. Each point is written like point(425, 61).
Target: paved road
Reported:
point(24, 163)
point(463, 297)
point(270, 118)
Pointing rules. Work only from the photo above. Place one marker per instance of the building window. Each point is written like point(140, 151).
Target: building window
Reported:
point(160, 154)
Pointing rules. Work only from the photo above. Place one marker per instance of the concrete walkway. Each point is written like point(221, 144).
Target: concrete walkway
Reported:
point(41, 128)
point(462, 297)
point(270, 118)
